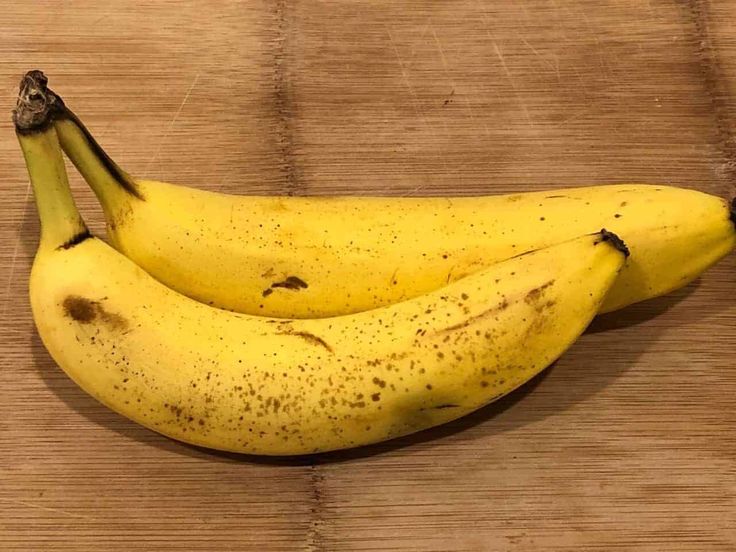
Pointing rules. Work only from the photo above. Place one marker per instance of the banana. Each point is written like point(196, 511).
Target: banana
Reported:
point(308, 257)
point(270, 386)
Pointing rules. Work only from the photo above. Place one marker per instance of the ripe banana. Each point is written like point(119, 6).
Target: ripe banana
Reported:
point(324, 256)
point(308, 257)
point(270, 386)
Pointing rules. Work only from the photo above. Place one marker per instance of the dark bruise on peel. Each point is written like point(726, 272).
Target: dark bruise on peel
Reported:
point(293, 283)
point(309, 338)
point(733, 211)
point(86, 311)
point(79, 309)
point(76, 240)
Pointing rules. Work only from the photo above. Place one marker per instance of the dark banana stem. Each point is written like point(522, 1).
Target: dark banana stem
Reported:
point(61, 225)
point(615, 241)
point(39, 106)
point(34, 108)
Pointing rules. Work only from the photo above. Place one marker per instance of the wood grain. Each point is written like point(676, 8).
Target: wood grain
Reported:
point(627, 443)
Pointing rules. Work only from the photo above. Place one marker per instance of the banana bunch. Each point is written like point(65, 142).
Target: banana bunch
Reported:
point(281, 326)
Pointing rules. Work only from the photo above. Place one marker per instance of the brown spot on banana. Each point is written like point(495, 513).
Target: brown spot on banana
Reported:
point(503, 305)
point(292, 282)
point(86, 311)
point(79, 309)
point(537, 292)
point(379, 382)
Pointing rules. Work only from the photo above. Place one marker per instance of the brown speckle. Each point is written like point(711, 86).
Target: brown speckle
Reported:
point(376, 397)
point(309, 338)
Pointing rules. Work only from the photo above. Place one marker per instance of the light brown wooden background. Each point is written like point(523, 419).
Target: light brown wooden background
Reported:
point(628, 443)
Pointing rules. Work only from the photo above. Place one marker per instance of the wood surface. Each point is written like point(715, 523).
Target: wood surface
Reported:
point(627, 443)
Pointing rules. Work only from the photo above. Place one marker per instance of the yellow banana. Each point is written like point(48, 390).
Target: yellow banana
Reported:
point(272, 386)
point(308, 257)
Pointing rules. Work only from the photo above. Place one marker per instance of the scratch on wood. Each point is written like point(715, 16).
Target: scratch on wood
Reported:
point(45, 508)
point(415, 105)
point(715, 87)
point(187, 94)
point(404, 76)
point(14, 259)
point(555, 67)
point(442, 56)
point(315, 541)
point(499, 54)
point(519, 99)
point(505, 68)
point(284, 101)
point(446, 66)
point(579, 113)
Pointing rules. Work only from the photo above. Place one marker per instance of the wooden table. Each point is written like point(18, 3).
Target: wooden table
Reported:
point(628, 443)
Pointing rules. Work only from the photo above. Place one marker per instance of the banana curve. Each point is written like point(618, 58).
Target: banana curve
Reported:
point(280, 387)
point(269, 386)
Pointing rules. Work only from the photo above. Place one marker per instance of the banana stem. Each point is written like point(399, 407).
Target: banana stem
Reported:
point(111, 184)
point(61, 223)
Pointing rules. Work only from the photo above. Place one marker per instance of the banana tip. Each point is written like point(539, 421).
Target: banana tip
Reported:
point(615, 241)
